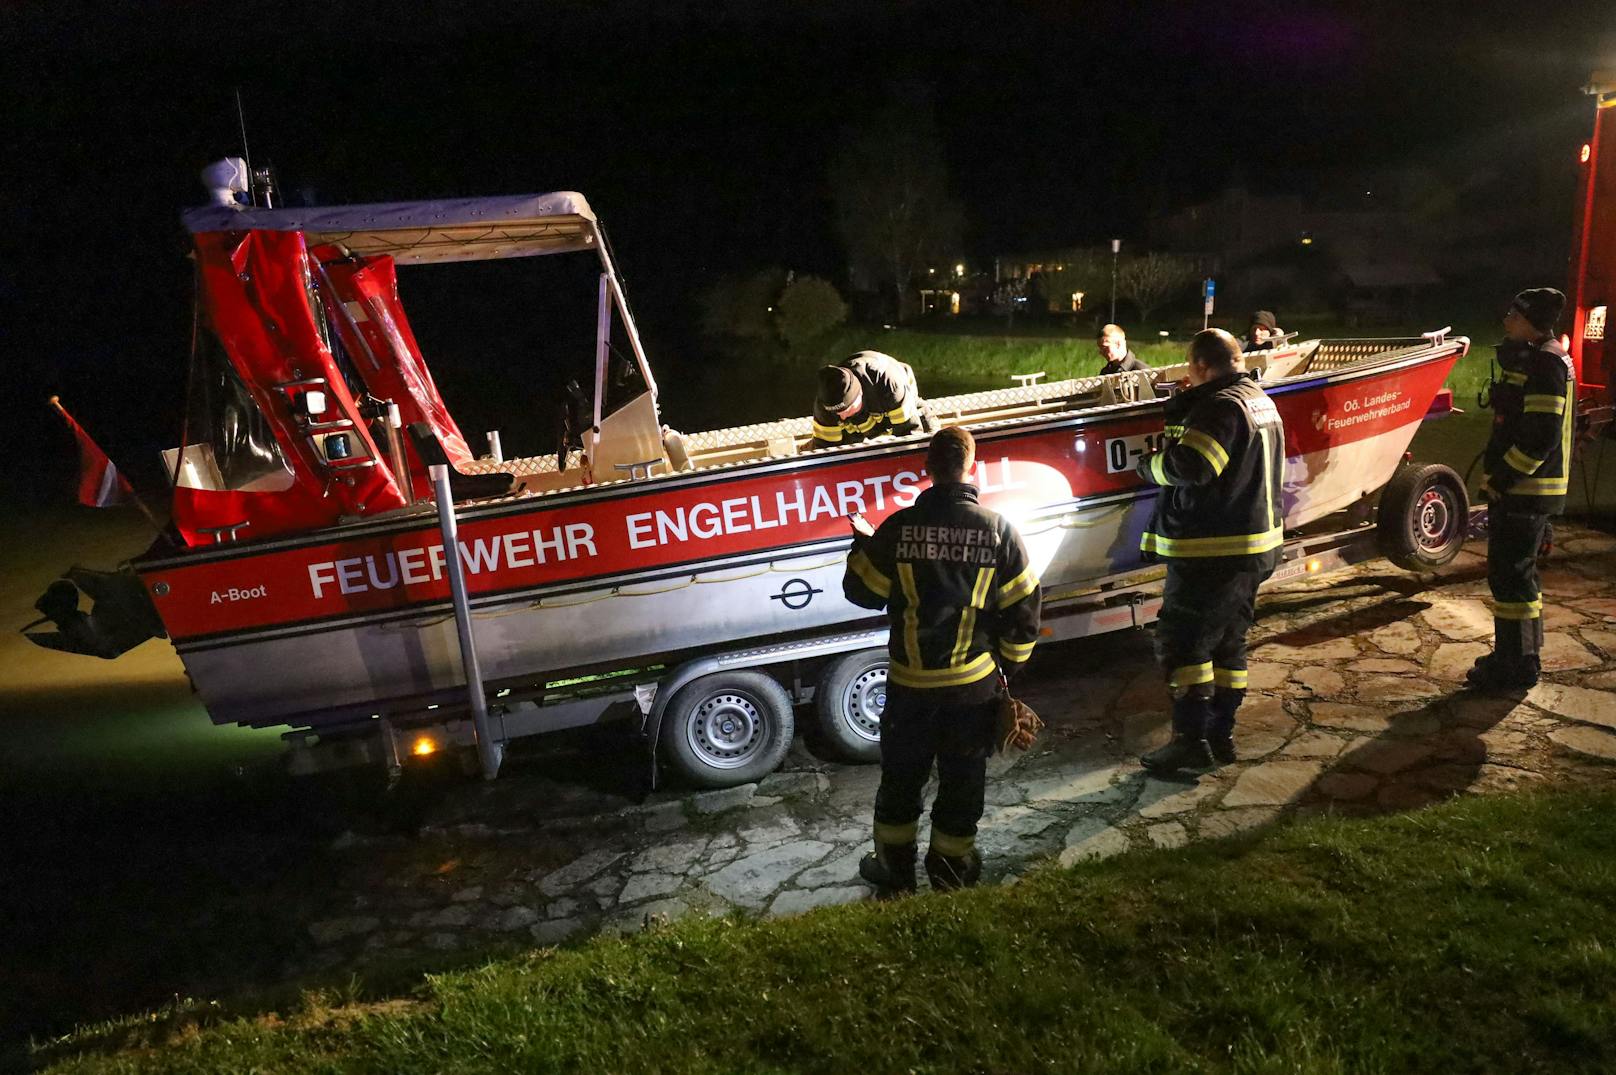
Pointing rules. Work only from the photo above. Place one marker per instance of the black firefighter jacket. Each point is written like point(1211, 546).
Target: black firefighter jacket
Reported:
point(961, 596)
point(1220, 473)
point(1528, 457)
point(891, 402)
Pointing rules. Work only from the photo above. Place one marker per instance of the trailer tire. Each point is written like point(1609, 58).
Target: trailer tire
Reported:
point(727, 728)
point(848, 701)
point(1424, 517)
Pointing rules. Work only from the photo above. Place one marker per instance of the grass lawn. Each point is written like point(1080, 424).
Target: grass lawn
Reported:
point(960, 356)
point(1476, 936)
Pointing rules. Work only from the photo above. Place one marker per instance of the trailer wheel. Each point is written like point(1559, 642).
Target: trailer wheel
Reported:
point(727, 728)
point(1424, 517)
point(852, 692)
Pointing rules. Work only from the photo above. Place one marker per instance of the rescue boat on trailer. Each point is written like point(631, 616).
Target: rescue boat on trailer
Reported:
point(306, 584)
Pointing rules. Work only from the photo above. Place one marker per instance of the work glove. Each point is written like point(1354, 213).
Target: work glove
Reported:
point(1018, 725)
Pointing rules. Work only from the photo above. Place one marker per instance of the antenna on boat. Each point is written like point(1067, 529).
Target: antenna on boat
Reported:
point(260, 181)
point(246, 154)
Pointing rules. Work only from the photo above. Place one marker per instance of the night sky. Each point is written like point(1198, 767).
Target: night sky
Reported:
point(700, 132)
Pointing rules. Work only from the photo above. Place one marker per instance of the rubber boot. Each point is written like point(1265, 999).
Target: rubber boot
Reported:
point(1513, 665)
point(1188, 749)
point(890, 868)
point(1220, 728)
point(948, 872)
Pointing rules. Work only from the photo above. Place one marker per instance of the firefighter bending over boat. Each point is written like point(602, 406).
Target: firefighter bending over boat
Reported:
point(1528, 460)
point(864, 396)
point(1218, 524)
point(962, 600)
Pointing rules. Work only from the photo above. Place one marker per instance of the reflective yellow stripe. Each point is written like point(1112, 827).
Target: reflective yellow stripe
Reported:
point(827, 432)
point(869, 574)
point(1017, 588)
point(1175, 431)
point(1190, 674)
point(1232, 545)
point(912, 675)
point(896, 834)
point(951, 846)
point(1509, 377)
point(1538, 487)
point(864, 426)
point(1210, 449)
point(1267, 479)
point(1518, 610)
point(1545, 405)
point(900, 416)
point(967, 623)
point(911, 615)
point(1016, 651)
point(1521, 461)
point(1233, 678)
point(1158, 469)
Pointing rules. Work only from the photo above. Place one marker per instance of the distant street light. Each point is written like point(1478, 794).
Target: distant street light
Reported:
point(1116, 248)
point(959, 270)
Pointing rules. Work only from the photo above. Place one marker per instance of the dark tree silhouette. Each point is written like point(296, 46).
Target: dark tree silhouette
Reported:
point(894, 211)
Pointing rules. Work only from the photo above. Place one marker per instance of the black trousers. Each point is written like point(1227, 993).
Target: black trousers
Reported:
point(915, 732)
point(1207, 610)
point(1513, 541)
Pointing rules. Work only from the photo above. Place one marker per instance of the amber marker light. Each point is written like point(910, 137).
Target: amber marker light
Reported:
point(1313, 566)
point(423, 746)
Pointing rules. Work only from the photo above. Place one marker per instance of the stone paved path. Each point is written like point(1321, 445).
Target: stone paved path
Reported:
point(1356, 707)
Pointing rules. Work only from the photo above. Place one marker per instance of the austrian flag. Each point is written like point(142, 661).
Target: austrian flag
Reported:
point(100, 484)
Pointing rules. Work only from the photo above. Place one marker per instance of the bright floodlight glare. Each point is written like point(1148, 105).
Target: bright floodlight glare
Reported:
point(423, 746)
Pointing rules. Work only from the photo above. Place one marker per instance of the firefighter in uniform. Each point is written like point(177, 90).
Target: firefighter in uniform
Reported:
point(962, 600)
point(1528, 462)
point(1218, 524)
point(864, 396)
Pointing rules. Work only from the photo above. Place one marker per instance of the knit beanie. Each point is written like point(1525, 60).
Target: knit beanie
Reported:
point(1541, 306)
point(1265, 318)
point(837, 387)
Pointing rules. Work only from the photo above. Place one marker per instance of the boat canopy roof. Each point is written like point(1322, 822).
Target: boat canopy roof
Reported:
point(455, 229)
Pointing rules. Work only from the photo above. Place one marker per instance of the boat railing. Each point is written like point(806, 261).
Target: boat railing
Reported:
point(1332, 355)
point(788, 437)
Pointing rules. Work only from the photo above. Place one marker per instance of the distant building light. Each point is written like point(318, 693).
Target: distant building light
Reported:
point(953, 305)
point(1077, 301)
point(1307, 240)
point(1587, 151)
point(959, 269)
point(931, 272)
point(1162, 334)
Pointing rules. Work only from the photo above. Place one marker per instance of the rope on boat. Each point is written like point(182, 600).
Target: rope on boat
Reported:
point(618, 591)
point(1066, 521)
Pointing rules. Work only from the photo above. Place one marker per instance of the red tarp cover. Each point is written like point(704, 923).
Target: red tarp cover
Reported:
point(255, 288)
point(386, 353)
